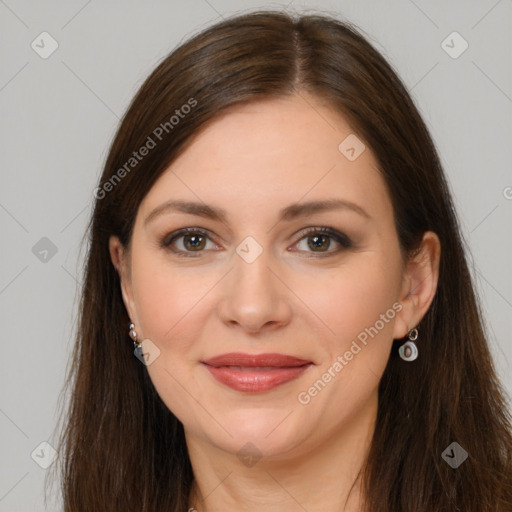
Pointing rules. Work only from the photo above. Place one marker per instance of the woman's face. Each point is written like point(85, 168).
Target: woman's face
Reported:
point(291, 250)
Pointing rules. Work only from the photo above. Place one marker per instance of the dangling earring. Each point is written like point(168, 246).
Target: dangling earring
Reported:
point(136, 344)
point(409, 351)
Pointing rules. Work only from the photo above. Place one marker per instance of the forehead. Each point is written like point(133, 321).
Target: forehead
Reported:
point(273, 152)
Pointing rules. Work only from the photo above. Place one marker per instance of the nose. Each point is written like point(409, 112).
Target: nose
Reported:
point(254, 298)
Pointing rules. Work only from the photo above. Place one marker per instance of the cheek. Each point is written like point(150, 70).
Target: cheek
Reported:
point(172, 312)
point(357, 311)
point(353, 297)
point(167, 297)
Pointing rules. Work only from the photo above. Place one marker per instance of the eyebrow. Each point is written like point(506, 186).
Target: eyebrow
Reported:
point(289, 213)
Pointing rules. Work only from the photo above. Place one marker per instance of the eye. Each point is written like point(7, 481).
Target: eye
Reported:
point(320, 240)
point(188, 240)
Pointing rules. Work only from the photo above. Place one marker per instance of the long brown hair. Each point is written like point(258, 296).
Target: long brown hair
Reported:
point(121, 448)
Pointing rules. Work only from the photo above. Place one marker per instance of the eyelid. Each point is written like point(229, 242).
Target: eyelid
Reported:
point(334, 234)
point(339, 237)
point(184, 231)
point(169, 239)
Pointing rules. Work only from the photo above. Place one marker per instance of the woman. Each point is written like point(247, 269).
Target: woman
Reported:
point(277, 311)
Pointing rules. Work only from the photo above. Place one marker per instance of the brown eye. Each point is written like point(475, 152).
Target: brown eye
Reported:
point(189, 240)
point(194, 242)
point(319, 243)
point(322, 240)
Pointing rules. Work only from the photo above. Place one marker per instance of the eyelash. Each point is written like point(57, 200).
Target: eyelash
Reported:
point(338, 237)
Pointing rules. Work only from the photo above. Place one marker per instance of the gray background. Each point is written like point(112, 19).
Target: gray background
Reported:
point(58, 116)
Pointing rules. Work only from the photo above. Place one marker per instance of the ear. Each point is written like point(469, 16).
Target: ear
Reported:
point(120, 259)
point(419, 284)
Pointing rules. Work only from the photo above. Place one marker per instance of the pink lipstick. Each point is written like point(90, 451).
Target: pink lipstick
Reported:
point(255, 373)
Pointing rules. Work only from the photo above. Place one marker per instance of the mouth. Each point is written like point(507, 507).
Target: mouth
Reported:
point(242, 360)
point(255, 373)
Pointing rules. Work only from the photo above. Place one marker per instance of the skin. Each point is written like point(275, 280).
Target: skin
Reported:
point(294, 299)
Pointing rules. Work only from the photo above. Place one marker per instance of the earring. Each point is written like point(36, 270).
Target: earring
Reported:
point(409, 351)
point(133, 335)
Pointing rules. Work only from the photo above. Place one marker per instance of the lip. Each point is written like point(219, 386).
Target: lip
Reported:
point(255, 360)
point(255, 373)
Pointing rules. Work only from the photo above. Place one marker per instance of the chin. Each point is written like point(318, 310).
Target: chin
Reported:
point(270, 432)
